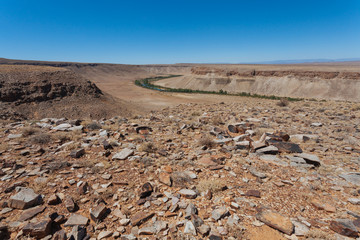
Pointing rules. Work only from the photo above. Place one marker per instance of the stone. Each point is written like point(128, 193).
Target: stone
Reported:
point(190, 228)
point(77, 153)
point(353, 178)
point(219, 213)
point(60, 235)
point(215, 237)
point(104, 234)
point(190, 210)
point(77, 233)
point(146, 190)
point(268, 150)
point(285, 147)
point(253, 193)
point(62, 127)
point(204, 230)
point(323, 205)
point(39, 229)
point(165, 178)
point(30, 213)
point(160, 226)
point(206, 161)
point(98, 213)
point(310, 159)
point(123, 155)
point(147, 230)
point(140, 217)
point(276, 220)
point(344, 227)
point(355, 201)
point(187, 193)
point(70, 204)
point(124, 222)
point(76, 220)
point(25, 198)
point(53, 200)
point(82, 188)
point(300, 228)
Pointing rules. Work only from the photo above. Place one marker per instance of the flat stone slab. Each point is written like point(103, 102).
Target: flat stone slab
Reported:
point(310, 159)
point(24, 199)
point(141, 217)
point(30, 213)
point(276, 220)
point(124, 154)
point(188, 193)
point(353, 178)
point(76, 220)
point(38, 230)
point(344, 227)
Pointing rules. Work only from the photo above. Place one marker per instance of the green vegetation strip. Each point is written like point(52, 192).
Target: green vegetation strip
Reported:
point(149, 83)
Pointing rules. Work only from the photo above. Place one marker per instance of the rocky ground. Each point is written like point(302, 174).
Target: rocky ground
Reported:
point(257, 169)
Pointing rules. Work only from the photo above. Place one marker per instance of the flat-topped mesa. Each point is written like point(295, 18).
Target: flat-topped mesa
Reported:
point(274, 73)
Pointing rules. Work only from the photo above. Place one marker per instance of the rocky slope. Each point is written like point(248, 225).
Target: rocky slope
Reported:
point(249, 170)
point(337, 84)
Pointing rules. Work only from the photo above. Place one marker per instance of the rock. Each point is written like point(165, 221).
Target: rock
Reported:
point(187, 193)
point(147, 230)
point(77, 153)
point(323, 206)
point(98, 213)
point(206, 161)
point(285, 147)
point(104, 234)
point(268, 150)
point(62, 127)
point(219, 213)
point(310, 159)
point(190, 228)
point(160, 226)
point(140, 217)
point(190, 210)
point(204, 230)
point(30, 213)
point(146, 190)
point(353, 178)
point(107, 145)
point(276, 220)
point(53, 200)
point(344, 227)
point(38, 230)
point(253, 193)
point(215, 237)
point(124, 222)
point(124, 154)
point(165, 178)
point(316, 124)
point(70, 204)
point(25, 198)
point(300, 228)
point(77, 233)
point(60, 235)
point(355, 201)
point(82, 188)
point(76, 220)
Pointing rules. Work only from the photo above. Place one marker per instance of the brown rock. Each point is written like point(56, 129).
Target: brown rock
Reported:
point(53, 199)
point(276, 220)
point(165, 178)
point(286, 147)
point(206, 161)
point(323, 206)
point(83, 188)
point(70, 204)
point(25, 198)
point(253, 193)
point(344, 227)
point(146, 190)
point(98, 213)
point(38, 230)
point(140, 217)
point(30, 213)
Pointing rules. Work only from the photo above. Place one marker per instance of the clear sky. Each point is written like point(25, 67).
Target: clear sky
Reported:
point(175, 31)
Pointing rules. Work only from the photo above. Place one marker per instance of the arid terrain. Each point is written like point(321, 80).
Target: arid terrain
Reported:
point(87, 154)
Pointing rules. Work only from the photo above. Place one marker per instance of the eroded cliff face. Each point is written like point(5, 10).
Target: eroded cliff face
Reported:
point(37, 92)
point(334, 85)
point(27, 87)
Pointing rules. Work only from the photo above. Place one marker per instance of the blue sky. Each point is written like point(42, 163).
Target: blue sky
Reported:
point(175, 31)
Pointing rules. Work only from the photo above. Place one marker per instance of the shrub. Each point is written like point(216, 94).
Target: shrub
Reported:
point(283, 102)
point(180, 179)
point(40, 138)
point(212, 185)
point(93, 126)
point(148, 147)
point(206, 141)
point(28, 131)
